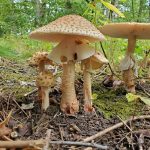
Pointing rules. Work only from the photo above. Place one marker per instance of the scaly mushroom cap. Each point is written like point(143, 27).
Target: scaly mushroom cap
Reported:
point(45, 79)
point(98, 60)
point(125, 30)
point(39, 57)
point(73, 25)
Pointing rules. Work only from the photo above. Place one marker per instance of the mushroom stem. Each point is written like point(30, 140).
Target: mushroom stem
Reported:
point(131, 45)
point(87, 85)
point(128, 74)
point(69, 103)
point(45, 97)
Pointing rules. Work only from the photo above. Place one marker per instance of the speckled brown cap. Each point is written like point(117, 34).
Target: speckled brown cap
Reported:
point(39, 57)
point(98, 60)
point(72, 25)
point(45, 79)
point(125, 30)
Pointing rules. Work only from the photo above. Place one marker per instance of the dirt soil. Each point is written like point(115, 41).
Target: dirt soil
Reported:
point(31, 123)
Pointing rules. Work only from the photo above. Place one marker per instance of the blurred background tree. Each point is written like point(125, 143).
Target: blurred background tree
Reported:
point(19, 17)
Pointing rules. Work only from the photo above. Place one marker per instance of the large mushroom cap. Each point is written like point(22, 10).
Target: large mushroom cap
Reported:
point(73, 25)
point(125, 30)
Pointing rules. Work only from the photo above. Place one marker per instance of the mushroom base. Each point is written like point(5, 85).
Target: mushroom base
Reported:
point(44, 96)
point(69, 103)
point(128, 78)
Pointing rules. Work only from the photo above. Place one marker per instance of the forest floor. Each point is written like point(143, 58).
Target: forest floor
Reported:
point(111, 107)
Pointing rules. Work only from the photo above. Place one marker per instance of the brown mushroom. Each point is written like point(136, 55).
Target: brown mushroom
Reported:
point(45, 81)
point(40, 59)
point(71, 32)
point(92, 63)
point(131, 31)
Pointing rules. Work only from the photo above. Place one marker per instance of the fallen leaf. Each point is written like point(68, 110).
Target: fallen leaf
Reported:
point(3, 129)
point(94, 96)
point(27, 106)
point(132, 97)
point(145, 100)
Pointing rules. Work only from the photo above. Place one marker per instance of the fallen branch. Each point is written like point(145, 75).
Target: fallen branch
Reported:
point(101, 133)
point(94, 145)
point(21, 144)
point(41, 143)
point(48, 136)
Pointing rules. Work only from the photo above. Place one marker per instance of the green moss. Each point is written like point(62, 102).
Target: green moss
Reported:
point(111, 104)
point(12, 78)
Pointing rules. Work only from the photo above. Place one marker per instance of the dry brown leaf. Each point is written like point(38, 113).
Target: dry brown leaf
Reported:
point(3, 129)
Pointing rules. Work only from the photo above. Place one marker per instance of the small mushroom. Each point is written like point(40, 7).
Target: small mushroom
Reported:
point(39, 60)
point(45, 81)
point(71, 31)
point(92, 63)
point(131, 31)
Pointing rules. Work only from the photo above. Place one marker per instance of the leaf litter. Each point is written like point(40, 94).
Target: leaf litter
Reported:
point(35, 123)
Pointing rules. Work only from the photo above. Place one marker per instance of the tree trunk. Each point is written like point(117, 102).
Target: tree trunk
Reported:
point(111, 12)
point(140, 10)
point(133, 8)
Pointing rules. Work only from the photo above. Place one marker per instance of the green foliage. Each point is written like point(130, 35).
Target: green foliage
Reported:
point(18, 18)
point(112, 8)
point(20, 48)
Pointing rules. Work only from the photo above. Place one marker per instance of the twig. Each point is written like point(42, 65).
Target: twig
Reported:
point(101, 133)
point(125, 124)
point(141, 141)
point(48, 136)
point(61, 131)
point(31, 92)
point(21, 144)
point(131, 131)
point(20, 108)
point(6, 138)
point(40, 143)
point(94, 145)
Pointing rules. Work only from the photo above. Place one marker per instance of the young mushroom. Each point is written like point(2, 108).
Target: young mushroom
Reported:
point(40, 59)
point(92, 63)
point(72, 32)
point(131, 31)
point(45, 81)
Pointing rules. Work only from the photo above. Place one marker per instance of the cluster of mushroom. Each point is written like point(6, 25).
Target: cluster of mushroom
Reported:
point(73, 33)
point(131, 31)
point(45, 79)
